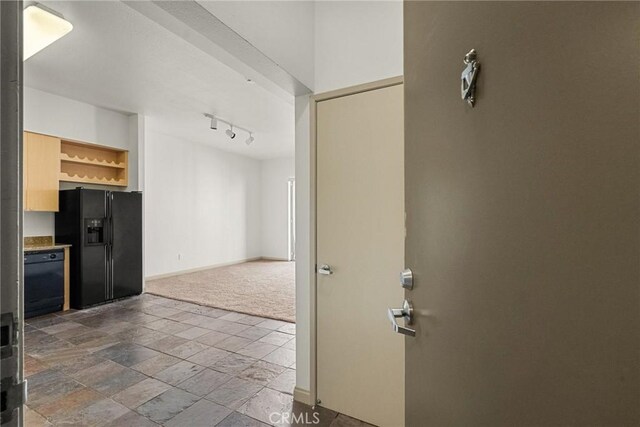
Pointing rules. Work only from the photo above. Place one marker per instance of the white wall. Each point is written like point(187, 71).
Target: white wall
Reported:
point(201, 203)
point(304, 243)
point(324, 44)
point(356, 42)
point(275, 205)
point(38, 224)
point(55, 115)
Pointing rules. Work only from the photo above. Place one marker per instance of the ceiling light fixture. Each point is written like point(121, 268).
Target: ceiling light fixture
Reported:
point(41, 27)
point(230, 132)
point(214, 123)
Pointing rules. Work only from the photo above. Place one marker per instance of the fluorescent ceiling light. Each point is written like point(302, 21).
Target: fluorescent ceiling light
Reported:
point(41, 28)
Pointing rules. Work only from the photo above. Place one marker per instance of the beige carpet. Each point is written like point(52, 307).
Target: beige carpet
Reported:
point(260, 288)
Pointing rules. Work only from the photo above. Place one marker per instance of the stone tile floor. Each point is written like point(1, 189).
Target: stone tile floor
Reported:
point(149, 361)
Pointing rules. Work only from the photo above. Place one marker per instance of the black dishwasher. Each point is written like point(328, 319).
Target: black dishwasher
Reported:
point(43, 282)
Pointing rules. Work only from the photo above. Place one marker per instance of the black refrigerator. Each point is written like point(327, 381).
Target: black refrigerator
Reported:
point(105, 231)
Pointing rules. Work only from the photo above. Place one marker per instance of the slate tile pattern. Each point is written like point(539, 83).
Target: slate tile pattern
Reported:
point(148, 361)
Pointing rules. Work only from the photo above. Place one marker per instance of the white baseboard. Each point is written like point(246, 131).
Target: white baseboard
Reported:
point(302, 396)
point(193, 270)
point(270, 258)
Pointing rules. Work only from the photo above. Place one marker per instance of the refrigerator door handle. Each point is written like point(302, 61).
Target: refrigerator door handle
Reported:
point(112, 285)
point(111, 218)
point(111, 227)
point(106, 272)
point(110, 273)
point(107, 252)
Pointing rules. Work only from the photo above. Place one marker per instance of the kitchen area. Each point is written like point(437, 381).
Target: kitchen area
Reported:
point(46, 272)
point(82, 208)
point(111, 131)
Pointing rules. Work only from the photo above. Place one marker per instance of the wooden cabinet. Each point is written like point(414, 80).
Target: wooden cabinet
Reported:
point(49, 160)
point(92, 164)
point(41, 172)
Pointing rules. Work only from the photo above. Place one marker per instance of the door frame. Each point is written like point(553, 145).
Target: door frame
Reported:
point(291, 220)
point(11, 255)
point(311, 398)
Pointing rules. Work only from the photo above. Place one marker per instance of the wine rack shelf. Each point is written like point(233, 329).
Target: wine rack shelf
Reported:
point(93, 164)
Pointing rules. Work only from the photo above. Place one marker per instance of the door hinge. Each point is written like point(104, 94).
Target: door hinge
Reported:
point(8, 335)
point(12, 393)
point(12, 396)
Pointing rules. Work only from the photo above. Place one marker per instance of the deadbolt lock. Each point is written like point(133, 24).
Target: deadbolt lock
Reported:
point(406, 278)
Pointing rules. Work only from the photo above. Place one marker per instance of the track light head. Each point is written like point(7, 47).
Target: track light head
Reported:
point(230, 133)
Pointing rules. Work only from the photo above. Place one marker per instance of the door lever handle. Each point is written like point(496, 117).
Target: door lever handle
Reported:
point(407, 313)
point(325, 269)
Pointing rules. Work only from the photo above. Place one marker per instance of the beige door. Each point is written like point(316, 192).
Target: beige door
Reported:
point(523, 214)
point(360, 235)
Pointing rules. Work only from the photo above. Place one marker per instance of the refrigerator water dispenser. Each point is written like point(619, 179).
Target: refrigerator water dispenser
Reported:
point(94, 231)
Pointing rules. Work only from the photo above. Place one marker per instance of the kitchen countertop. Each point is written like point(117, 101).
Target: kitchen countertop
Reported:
point(42, 243)
point(35, 248)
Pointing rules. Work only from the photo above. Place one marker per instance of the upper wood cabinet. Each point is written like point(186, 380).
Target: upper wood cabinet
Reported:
point(93, 164)
point(41, 172)
point(49, 160)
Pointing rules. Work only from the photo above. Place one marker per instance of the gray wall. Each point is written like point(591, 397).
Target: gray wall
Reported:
point(523, 214)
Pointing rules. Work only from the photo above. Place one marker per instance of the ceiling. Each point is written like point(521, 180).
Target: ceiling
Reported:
point(283, 30)
point(119, 59)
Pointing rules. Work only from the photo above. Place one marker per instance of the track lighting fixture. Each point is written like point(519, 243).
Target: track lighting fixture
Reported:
point(230, 132)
